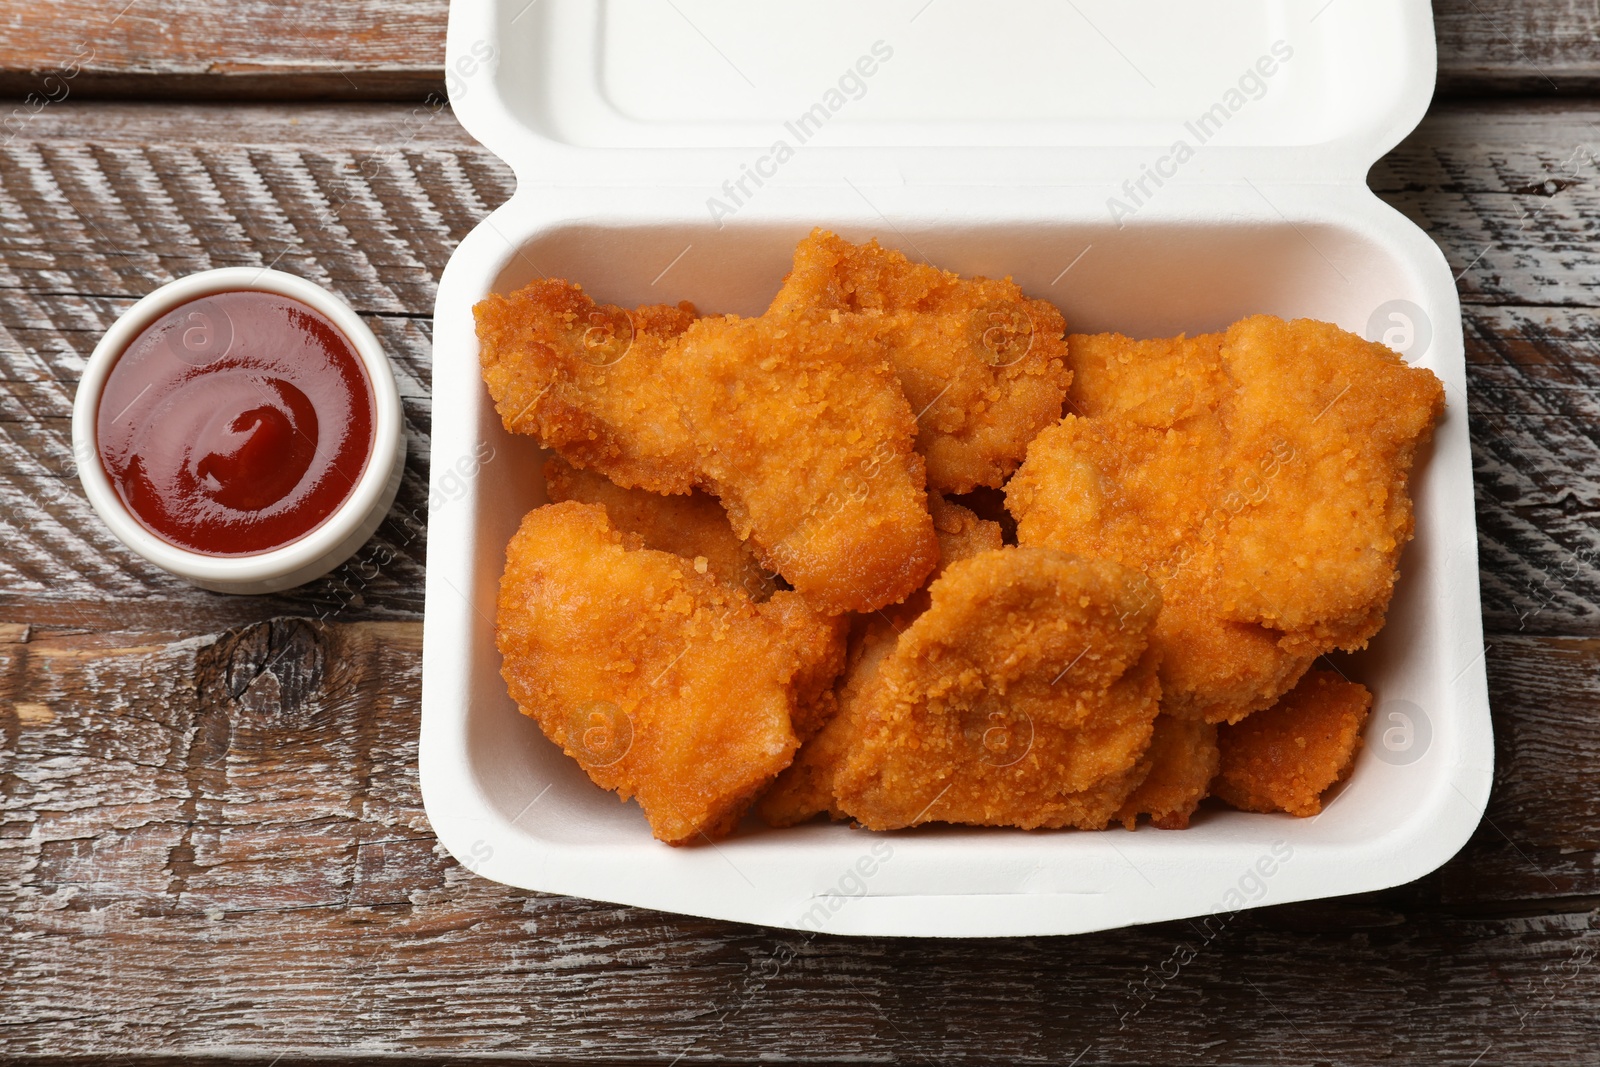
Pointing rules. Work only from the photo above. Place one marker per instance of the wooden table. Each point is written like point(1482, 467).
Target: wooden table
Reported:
point(212, 843)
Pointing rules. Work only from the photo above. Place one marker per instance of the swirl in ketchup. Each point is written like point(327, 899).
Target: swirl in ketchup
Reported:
point(236, 423)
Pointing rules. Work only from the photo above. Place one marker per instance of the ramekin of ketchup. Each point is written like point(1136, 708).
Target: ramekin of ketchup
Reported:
point(240, 428)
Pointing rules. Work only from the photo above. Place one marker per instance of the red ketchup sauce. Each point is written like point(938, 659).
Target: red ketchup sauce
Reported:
point(236, 423)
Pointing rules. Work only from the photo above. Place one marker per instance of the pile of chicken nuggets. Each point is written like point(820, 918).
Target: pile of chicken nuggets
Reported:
point(900, 550)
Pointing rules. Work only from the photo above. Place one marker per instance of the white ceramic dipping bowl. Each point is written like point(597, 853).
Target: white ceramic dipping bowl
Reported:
point(300, 561)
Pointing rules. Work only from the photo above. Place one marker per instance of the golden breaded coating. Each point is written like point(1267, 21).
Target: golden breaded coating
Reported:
point(1229, 468)
point(806, 439)
point(961, 533)
point(797, 424)
point(990, 504)
point(1159, 383)
point(585, 379)
point(819, 643)
point(664, 683)
point(1024, 696)
point(983, 366)
point(1183, 760)
point(783, 566)
point(694, 526)
point(805, 789)
point(1317, 555)
point(1285, 758)
point(1132, 477)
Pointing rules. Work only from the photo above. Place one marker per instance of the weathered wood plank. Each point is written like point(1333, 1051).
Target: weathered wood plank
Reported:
point(1510, 192)
point(1548, 47)
point(367, 201)
point(214, 844)
point(394, 49)
point(1535, 415)
point(1540, 839)
point(373, 49)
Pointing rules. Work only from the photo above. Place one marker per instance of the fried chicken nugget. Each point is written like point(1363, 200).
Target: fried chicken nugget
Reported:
point(1024, 696)
point(807, 440)
point(962, 532)
point(990, 504)
point(1215, 465)
point(585, 379)
point(1131, 475)
point(1183, 760)
point(797, 424)
point(693, 526)
point(1316, 554)
point(983, 365)
point(805, 789)
point(1286, 758)
point(818, 643)
point(664, 683)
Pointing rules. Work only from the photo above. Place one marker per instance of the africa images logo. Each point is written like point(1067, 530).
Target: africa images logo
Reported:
point(1203, 128)
point(851, 85)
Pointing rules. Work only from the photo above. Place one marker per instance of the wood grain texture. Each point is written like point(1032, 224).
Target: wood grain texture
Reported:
point(366, 201)
point(211, 841)
point(1511, 193)
point(394, 49)
point(184, 49)
point(1548, 47)
point(215, 844)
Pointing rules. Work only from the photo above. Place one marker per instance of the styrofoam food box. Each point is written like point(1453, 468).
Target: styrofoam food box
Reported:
point(1150, 168)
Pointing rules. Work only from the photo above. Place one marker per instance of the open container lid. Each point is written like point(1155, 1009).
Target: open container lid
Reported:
point(696, 92)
